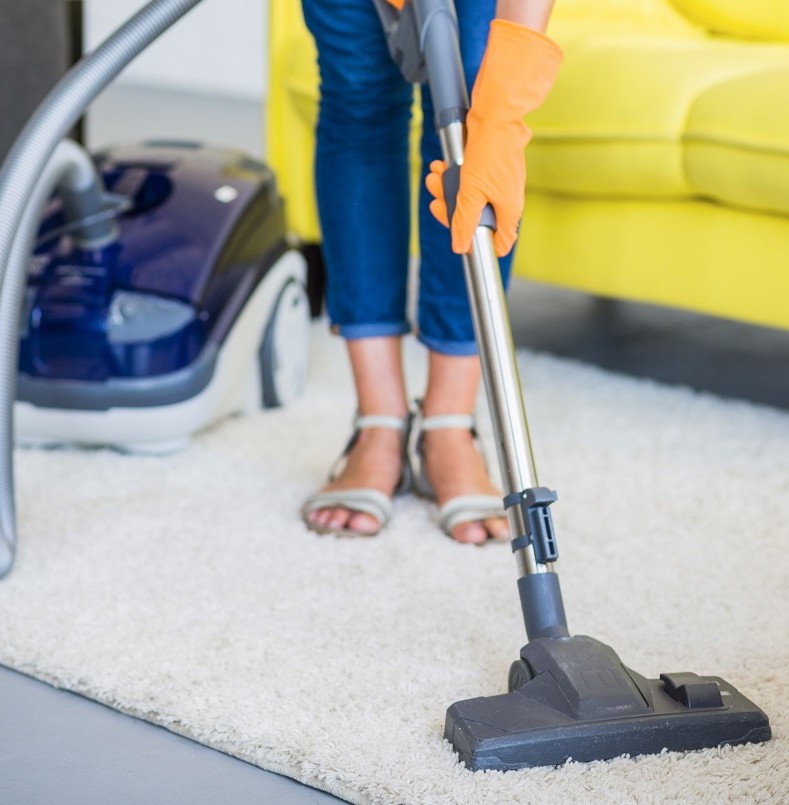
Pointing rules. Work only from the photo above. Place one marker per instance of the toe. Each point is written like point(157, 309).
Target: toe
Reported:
point(473, 533)
point(498, 528)
point(327, 518)
point(319, 521)
point(337, 518)
point(364, 524)
point(316, 517)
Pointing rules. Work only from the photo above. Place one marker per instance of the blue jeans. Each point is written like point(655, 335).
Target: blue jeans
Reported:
point(362, 181)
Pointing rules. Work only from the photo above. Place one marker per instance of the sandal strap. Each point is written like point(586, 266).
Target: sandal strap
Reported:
point(447, 421)
point(469, 509)
point(379, 421)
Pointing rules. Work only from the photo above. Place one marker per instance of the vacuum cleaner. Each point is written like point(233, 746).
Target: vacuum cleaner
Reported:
point(569, 697)
point(162, 293)
point(178, 303)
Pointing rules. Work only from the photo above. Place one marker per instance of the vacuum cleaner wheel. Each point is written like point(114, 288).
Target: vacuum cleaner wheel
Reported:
point(284, 348)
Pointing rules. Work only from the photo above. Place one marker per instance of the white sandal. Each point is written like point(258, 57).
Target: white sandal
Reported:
point(361, 499)
point(460, 509)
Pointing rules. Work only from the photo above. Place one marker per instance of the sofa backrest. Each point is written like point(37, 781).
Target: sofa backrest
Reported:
point(747, 19)
point(600, 17)
point(753, 19)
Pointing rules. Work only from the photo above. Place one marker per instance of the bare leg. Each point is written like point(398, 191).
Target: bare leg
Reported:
point(375, 462)
point(452, 463)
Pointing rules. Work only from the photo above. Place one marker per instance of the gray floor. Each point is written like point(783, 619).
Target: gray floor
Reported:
point(58, 747)
point(672, 346)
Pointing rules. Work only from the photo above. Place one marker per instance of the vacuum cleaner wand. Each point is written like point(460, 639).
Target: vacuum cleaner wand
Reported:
point(569, 697)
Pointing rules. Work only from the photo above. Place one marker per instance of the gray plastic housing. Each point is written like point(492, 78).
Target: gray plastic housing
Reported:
point(582, 703)
point(424, 42)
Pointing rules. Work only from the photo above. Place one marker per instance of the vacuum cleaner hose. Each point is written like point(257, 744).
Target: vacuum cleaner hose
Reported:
point(27, 178)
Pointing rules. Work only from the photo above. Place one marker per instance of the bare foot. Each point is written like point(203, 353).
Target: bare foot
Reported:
point(454, 467)
point(375, 462)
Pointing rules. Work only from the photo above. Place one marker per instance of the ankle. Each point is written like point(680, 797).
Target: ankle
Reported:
point(381, 438)
point(447, 438)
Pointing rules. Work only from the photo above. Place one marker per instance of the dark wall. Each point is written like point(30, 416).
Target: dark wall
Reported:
point(35, 50)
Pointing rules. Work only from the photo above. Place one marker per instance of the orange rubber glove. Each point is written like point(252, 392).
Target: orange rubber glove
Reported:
point(398, 4)
point(517, 72)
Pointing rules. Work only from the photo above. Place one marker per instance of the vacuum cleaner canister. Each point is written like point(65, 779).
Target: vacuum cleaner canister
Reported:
point(195, 311)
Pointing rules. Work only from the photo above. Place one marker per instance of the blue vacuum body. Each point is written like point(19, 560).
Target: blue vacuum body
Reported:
point(195, 311)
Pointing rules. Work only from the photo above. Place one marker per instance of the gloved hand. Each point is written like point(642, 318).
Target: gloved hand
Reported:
point(398, 4)
point(517, 72)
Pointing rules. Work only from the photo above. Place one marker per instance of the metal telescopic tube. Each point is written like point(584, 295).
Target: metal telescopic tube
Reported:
point(500, 372)
point(435, 26)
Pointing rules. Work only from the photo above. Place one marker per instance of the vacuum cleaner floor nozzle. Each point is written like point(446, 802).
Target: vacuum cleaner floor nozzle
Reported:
point(581, 703)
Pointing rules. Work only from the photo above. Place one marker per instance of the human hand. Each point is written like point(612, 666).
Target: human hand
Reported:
point(517, 71)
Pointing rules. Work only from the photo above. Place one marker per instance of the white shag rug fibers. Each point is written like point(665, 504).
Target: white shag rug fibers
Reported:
point(186, 591)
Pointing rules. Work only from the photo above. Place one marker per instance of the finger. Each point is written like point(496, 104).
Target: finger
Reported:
point(438, 166)
point(505, 235)
point(435, 185)
point(439, 210)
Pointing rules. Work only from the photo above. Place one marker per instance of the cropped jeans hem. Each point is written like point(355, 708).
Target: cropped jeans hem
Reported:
point(458, 348)
point(372, 330)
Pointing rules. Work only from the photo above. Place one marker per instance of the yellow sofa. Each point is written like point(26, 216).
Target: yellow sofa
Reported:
point(659, 168)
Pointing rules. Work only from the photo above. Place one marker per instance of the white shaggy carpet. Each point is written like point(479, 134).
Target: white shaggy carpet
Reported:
point(186, 591)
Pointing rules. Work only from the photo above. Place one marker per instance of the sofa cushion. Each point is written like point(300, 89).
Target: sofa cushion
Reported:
point(756, 19)
point(737, 142)
point(615, 122)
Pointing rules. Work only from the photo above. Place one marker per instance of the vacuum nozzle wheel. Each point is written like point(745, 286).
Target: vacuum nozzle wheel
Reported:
point(284, 348)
